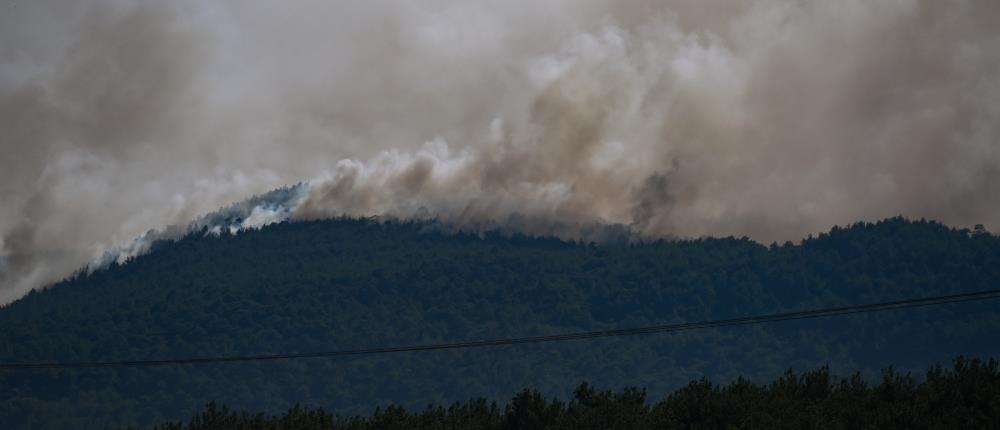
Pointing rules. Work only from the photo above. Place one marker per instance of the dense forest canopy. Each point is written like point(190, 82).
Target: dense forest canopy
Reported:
point(354, 283)
point(966, 396)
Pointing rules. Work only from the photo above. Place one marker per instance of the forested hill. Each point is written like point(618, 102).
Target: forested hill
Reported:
point(336, 284)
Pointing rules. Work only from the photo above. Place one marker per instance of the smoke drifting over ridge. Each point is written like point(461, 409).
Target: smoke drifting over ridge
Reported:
point(764, 118)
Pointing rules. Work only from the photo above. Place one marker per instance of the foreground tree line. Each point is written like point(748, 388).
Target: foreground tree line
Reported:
point(967, 395)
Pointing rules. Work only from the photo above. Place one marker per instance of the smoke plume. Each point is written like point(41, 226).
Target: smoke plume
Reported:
point(765, 118)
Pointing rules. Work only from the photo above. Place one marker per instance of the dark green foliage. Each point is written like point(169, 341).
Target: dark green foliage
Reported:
point(966, 396)
point(348, 283)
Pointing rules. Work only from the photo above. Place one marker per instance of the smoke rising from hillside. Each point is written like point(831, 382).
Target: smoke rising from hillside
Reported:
point(766, 118)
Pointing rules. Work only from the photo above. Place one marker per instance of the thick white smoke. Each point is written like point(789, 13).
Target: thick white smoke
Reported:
point(766, 118)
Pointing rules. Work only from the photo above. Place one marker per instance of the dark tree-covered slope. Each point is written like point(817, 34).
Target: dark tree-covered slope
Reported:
point(326, 285)
point(965, 396)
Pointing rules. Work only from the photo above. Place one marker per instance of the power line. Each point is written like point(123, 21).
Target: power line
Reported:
point(667, 328)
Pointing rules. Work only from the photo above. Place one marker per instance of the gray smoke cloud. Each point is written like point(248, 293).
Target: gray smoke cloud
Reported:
point(765, 118)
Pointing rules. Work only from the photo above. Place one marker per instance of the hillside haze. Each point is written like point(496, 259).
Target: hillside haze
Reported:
point(355, 283)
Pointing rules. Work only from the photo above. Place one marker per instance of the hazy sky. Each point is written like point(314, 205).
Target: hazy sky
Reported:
point(771, 119)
